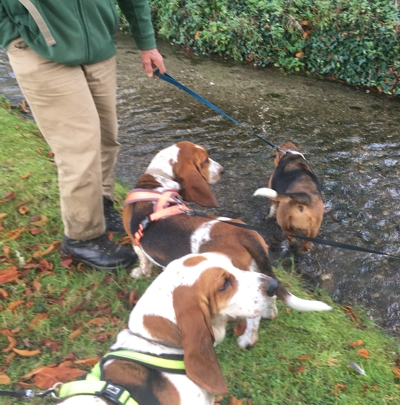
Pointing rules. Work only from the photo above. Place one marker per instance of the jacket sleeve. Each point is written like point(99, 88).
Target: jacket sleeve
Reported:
point(137, 13)
point(8, 30)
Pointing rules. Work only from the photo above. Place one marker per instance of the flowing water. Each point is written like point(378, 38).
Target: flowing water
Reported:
point(349, 136)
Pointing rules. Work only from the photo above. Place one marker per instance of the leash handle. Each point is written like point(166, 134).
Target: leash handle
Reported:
point(169, 79)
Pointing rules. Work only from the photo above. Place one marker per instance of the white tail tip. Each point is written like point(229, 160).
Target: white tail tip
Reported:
point(306, 305)
point(266, 192)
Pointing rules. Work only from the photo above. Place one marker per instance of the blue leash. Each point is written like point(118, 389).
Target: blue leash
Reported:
point(169, 79)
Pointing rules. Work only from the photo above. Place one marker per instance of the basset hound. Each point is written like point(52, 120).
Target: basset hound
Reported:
point(295, 196)
point(183, 312)
point(161, 229)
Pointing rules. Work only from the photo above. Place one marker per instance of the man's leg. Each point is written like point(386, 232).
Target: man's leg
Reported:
point(64, 109)
point(101, 78)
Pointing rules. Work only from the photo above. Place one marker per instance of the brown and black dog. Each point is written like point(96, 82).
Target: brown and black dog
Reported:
point(295, 196)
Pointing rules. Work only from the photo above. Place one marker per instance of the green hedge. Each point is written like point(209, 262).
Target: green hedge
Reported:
point(357, 41)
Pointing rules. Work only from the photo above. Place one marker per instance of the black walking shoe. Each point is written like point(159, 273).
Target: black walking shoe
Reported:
point(99, 253)
point(112, 216)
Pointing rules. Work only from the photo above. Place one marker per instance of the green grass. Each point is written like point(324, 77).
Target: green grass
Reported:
point(69, 298)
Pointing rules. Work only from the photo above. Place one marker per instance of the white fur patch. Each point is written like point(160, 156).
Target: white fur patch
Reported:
point(164, 160)
point(202, 234)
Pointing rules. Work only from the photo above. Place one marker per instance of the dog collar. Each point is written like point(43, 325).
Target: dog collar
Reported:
point(93, 384)
point(293, 152)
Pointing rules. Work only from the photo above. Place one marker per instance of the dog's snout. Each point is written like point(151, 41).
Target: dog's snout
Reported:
point(272, 286)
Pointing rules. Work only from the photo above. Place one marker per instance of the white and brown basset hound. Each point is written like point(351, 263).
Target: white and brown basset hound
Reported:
point(184, 312)
point(159, 236)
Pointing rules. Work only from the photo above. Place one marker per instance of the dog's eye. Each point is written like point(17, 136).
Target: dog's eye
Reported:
point(226, 285)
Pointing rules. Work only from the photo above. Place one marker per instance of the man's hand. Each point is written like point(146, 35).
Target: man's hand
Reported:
point(152, 59)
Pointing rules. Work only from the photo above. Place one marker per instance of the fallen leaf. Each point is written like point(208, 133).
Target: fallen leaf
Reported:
point(47, 377)
point(98, 321)
point(36, 285)
point(39, 253)
point(22, 106)
point(75, 308)
point(67, 261)
point(6, 332)
point(39, 151)
point(357, 343)
point(197, 35)
point(90, 361)
point(235, 401)
point(13, 235)
point(303, 358)
point(37, 370)
point(363, 352)
point(218, 399)
point(13, 343)
point(15, 304)
point(25, 176)
point(9, 274)
point(3, 293)
point(37, 320)
point(39, 220)
point(27, 353)
point(396, 371)
point(10, 357)
point(133, 298)
point(5, 379)
point(23, 209)
point(75, 334)
point(35, 231)
point(339, 387)
point(299, 54)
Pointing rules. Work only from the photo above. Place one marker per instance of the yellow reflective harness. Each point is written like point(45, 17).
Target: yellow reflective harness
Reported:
point(93, 384)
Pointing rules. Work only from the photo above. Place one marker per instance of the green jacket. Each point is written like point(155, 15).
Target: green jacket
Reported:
point(74, 32)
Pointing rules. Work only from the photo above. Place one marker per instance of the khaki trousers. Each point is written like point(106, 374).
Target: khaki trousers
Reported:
point(75, 109)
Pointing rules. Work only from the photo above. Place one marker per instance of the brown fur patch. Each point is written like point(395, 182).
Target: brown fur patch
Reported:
point(163, 329)
point(142, 382)
point(194, 261)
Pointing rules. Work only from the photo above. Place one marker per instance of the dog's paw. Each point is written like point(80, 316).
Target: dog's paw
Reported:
point(137, 273)
point(248, 339)
point(271, 311)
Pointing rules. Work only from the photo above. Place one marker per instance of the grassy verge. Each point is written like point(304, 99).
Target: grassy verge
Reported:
point(53, 314)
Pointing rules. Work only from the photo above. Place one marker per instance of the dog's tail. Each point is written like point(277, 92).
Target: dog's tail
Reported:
point(298, 303)
point(300, 198)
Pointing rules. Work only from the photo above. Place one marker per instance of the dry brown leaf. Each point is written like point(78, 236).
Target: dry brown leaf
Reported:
point(363, 352)
point(235, 401)
point(37, 320)
point(23, 209)
point(339, 387)
point(27, 353)
point(35, 231)
point(37, 370)
point(90, 361)
point(9, 274)
point(396, 371)
point(197, 35)
point(13, 343)
point(218, 399)
point(36, 285)
point(25, 176)
point(299, 54)
point(47, 377)
point(13, 235)
point(75, 334)
point(303, 358)
point(15, 304)
point(3, 215)
point(3, 293)
point(6, 332)
point(39, 253)
point(10, 357)
point(39, 220)
point(5, 379)
point(98, 321)
point(356, 343)
point(23, 107)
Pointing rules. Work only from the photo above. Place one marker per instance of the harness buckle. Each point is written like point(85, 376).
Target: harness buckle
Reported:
point(113, 393)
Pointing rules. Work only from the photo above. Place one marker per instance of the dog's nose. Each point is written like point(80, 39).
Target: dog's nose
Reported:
point(272, 287)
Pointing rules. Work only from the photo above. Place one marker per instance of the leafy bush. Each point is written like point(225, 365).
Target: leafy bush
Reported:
point(352, 40)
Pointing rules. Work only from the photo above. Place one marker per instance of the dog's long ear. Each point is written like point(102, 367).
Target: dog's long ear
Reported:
point(194, 323)
point(195, 188)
